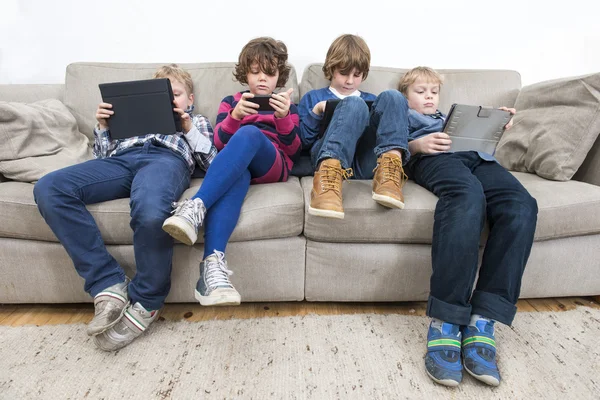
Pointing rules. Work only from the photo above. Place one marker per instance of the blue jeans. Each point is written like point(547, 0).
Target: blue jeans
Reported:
point(358, 137)
point(471, 190)
point(153, 177)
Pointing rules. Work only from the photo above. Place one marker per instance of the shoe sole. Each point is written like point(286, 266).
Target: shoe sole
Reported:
point(325, 213)
point(487, 379)
point(219, 300)
point(445, 382)
point(180, 232)
point(387, 201)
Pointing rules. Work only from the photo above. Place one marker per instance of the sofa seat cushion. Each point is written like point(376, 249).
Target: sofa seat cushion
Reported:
point(269, 211)
point(565, 209)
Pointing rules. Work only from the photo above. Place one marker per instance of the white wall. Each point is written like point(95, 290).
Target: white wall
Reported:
point(38, 38)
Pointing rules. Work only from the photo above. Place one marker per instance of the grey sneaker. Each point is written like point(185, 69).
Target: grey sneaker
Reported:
point(187, 218)
point(134, 322)
point(109, 306)
point(213, 287)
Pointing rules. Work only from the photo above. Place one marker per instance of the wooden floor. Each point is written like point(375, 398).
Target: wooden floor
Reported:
point(45, 314)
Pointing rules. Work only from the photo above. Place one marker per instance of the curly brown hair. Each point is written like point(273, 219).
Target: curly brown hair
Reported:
point(346, 53)
point(271, 56)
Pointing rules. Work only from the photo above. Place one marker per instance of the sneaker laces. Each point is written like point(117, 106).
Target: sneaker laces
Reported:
point(216, 273)
point(191, 210)
point(331, 177)
point(391, 168)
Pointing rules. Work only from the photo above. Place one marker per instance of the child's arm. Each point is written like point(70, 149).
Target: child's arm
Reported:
point(103, 145)
point(199, 137)
point(310, 120)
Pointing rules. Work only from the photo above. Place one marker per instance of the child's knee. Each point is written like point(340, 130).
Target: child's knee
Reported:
point(393, 96)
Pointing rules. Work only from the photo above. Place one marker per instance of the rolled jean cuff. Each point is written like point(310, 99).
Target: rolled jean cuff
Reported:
point(402, 149)
point(493, 306)
point(328, 154)
point(448, 312)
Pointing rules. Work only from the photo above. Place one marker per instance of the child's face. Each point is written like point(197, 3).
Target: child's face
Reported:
point(259, 82)
point(346, 84)
point(423, 96)
point(183, 99)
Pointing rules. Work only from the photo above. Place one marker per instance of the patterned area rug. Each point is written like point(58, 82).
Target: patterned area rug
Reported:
point(362, 356)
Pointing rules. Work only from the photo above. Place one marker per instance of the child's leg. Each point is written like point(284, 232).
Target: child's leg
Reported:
point(383, 149)
point(249, 149)
point(61, 197)
point(458, 221)
point(347, 125)
point(223, 216)
point(512, 217)
point(333, 154)
point(161, 179)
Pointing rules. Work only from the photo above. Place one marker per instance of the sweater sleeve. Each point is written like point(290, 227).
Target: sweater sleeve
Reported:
point(288, 130)
point(309, 121)
point(226, 125)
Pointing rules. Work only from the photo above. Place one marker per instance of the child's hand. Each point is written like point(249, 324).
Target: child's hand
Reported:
point(244, 107)
point(186, 121)
point(319, 108)
point(281, 103)
point(512, 111)
point(430, 144)
point(103, 113)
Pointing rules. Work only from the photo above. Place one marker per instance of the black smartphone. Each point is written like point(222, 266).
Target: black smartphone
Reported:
point(263, 101)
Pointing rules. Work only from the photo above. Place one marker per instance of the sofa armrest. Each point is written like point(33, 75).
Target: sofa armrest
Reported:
point(589, 171)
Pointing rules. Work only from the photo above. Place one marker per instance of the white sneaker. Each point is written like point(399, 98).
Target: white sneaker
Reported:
point(109, 306)
point(214, 287)
point(187, 218)
point(134, 322)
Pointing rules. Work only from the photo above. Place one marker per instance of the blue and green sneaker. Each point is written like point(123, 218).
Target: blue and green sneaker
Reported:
point(442, 361)
point(479, 350)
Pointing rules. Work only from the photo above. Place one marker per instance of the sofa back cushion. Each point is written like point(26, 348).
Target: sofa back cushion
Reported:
point(38, 138)
point(493, 88)
point(212, 82)
point(555, 127)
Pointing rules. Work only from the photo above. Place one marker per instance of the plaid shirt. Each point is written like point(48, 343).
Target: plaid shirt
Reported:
point(203, 151)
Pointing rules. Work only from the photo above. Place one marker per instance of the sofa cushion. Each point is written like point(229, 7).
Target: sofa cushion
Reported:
point(556, 124)
point(270, 211)
point(494, 88)
point(565, 209)
point(212, 83)
point(38, 138)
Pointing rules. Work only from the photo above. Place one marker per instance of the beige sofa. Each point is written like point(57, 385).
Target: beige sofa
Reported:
point(278, 251)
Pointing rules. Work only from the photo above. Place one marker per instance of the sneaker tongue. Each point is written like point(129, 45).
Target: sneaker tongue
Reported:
point(484, 325)
point(450, 329)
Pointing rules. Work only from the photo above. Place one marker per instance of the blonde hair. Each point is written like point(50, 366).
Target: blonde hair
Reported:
point(271, 56)
point(179, 74)
point(428, 74)
point(346, 53)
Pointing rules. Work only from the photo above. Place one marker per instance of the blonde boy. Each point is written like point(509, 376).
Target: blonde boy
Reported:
point(472, 189)
point(153, 170)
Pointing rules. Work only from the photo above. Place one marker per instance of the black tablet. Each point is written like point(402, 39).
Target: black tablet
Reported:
point(328, 114)
point(475, 127)
point(141, 107)
point(263, 102)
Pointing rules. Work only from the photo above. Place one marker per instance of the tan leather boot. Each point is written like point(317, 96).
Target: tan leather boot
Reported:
point(326, 194)
point(388, 181)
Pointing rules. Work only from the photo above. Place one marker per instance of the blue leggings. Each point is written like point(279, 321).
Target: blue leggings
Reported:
point(249, 154)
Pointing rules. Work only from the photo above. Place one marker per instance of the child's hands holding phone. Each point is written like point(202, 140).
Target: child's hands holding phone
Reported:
point(281, 103)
